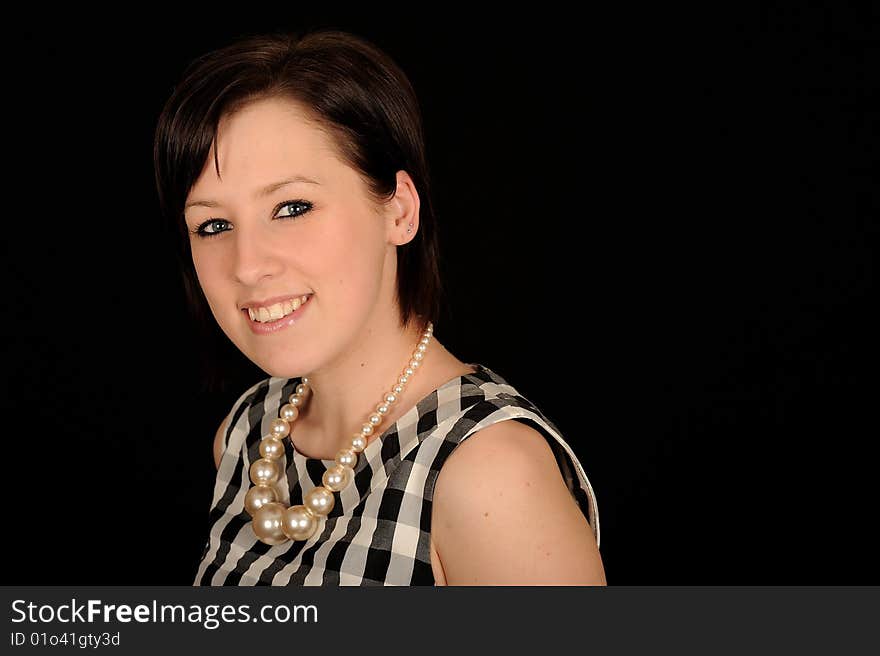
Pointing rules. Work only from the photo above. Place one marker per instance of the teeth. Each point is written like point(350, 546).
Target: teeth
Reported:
point(276, 311)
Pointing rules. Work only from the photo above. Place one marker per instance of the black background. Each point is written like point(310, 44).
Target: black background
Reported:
point(660, 227)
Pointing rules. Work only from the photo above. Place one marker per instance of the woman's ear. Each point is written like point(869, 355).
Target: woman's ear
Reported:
point(402, 211)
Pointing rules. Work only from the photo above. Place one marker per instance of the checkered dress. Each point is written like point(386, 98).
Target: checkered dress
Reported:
point(378, 532)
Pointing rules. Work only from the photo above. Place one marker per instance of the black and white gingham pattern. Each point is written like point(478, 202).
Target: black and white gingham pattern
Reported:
point(378, 532)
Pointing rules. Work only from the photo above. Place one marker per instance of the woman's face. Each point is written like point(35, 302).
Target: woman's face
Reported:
point(272, 239)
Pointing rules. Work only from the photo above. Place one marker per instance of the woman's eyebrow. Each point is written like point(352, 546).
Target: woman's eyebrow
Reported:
point(265, 191)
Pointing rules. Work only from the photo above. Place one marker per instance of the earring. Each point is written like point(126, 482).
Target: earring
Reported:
point(408, 230)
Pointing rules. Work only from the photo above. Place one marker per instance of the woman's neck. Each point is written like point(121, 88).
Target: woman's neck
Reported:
point(346, 392)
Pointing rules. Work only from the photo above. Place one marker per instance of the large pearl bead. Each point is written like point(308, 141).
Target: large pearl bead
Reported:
point(337, 478)
point(279, 428)
point(257, 497)
point(267, 523)
point(319, 500)
point(358, 443)
point(296, 400)
point(299, 523)
point(271, 448)
point(264, 471)
point(347, 458)
point(288, 412)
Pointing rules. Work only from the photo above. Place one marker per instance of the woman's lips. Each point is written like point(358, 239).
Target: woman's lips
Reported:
point(278, 324)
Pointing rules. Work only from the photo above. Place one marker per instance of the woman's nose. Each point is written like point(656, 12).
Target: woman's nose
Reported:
point(254, 257)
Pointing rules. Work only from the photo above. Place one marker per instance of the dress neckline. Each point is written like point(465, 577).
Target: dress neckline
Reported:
point(406, 419)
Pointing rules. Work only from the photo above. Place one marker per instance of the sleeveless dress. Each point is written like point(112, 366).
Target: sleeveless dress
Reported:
point(378, 532)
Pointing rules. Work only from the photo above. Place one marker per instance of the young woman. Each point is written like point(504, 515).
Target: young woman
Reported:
point(293, 171)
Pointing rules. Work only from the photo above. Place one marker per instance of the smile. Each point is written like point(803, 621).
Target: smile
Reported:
point(278, 316)
point(277, 310)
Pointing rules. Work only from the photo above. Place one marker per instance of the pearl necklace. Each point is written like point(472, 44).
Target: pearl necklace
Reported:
point(273, 522)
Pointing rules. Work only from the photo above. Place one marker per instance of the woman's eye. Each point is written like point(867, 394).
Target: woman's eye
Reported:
point(212, 227)
point(293, 208)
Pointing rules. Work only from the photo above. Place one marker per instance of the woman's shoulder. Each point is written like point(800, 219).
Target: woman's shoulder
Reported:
point(495, 422)
point(503, 513)
point(511, 447)
point(498, 424)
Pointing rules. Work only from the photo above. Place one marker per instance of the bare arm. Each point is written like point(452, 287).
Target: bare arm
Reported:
point(502, 514)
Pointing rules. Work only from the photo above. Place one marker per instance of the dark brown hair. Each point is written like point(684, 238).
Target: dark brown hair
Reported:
point(353, 90)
